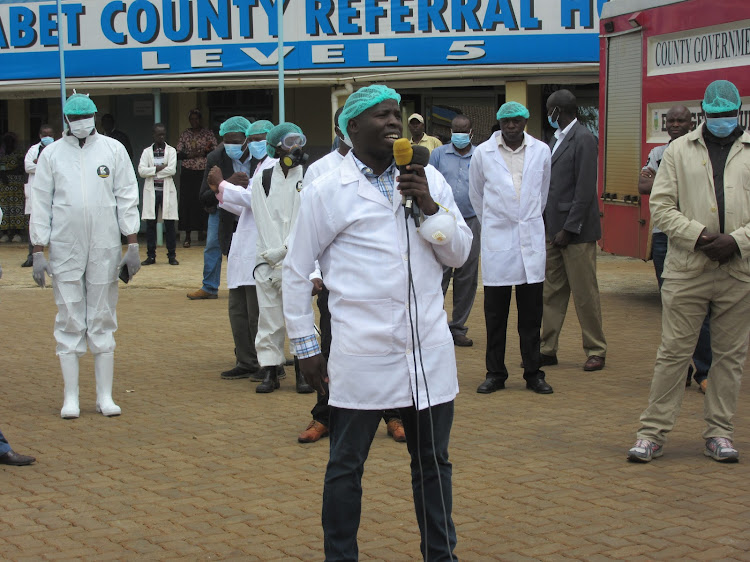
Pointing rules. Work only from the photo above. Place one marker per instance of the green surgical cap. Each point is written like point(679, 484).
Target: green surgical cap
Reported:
point(79, 104)
point(234, 124)
point(512, 109)
point(721, 96)
point(259, 127)
point(362, 100)
point(275, 135)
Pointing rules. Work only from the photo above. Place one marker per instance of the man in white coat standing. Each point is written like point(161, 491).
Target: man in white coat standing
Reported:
point(243, 298)
point(158, 166)
point(508, 186)
point(353, 223)
point(85, 196)
point(46, 138)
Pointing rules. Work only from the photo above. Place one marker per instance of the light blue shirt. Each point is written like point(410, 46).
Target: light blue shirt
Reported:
point(455, 170)
point(238, 166)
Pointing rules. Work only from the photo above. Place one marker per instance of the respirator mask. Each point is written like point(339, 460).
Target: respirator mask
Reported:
point(293, 143)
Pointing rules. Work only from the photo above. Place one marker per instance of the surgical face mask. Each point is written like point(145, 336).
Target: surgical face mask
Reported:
point(554, 123)
point(234, 151)
point(347, 142)
point(258, 149)
point(47, 140)
point(81, 128)
point(460, 140)
point(721, 127)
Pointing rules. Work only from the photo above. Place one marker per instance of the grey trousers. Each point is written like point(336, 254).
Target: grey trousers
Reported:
point(243, 318)
point(464, 281)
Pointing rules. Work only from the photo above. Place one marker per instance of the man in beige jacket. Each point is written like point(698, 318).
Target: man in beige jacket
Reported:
point(701, 201)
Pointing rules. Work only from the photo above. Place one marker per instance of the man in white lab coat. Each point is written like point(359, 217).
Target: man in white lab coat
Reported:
point(46, 137)
point(353, 223)
point(243, 298)
point(275, 202)
point(157, 166)
point(85, 196)
point(508, 186)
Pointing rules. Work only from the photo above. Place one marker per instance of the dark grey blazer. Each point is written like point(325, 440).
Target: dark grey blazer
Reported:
point(572, 203)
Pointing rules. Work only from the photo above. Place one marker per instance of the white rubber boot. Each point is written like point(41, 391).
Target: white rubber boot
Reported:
point(69, 366)
point(104, 368)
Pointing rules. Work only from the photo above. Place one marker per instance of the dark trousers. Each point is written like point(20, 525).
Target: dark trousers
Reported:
point(243, 318)
point(702, 356)
point(529, 300)
point(352, 432)
point(321, 412)
point(169, 230)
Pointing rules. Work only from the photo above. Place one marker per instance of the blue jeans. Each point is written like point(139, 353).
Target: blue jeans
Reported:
point(212, 256)
point(4, 445)
point(352, 432)
point(702, 356)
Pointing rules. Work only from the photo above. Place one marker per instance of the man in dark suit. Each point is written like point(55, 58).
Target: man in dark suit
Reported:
point(572, 229)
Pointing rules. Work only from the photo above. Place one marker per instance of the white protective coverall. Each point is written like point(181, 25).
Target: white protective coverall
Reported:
point(82, 200)
point(147, 170)
point(275, 216)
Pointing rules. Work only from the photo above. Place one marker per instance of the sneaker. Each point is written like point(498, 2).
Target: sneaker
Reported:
point(17, 238)
point(721, 449)
point(645, 450)
point(396, 430)
point(4, 238)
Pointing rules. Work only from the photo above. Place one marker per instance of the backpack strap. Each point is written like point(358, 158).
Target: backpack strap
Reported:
point(266, 179)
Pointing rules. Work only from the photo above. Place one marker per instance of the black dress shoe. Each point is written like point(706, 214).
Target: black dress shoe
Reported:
point(490, 385)
point(14, 459)
point(539, 386)
point(270, 380)
point(173, 261)
point(28, 263)
point(236, 373)
point(149, 261)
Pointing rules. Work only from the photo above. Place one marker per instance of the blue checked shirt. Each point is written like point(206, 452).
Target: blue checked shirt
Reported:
point(307, 346)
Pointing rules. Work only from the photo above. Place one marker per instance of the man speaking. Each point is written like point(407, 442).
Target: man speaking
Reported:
point(384, 280)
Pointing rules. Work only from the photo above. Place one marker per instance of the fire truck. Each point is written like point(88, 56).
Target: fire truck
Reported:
point(655, 54)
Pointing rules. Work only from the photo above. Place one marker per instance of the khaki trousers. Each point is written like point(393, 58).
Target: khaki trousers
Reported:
point(572, 269)
point(684, 304)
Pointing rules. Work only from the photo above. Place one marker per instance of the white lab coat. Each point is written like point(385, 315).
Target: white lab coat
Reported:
point(30, 166)
point(83, 199)
point(513, 246)
point(147, 170)
point(322, 166)
point(238, 200)
point(275, 215)
point(359, 238)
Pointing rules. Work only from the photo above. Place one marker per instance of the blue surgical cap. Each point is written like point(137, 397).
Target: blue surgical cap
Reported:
point(512, 109)
point(721, 96)
point(236, 124)
point(362, 100)
point(275, 135)
point(79, 104)
point(259, 127)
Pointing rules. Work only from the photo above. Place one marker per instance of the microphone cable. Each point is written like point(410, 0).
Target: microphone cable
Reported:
point(416, 342)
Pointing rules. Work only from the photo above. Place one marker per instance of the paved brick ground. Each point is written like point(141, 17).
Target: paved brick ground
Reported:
point(198, 468)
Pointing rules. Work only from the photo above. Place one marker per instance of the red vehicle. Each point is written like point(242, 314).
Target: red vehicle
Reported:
point(655, 54)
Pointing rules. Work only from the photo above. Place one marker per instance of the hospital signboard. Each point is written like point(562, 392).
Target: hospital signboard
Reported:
point(157, 37)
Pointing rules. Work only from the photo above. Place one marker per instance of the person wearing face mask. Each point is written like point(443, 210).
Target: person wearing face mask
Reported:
point(46, 137)
point(275, 202)
point(243, 300)
point(233, 158)
point(157, 166)
point(452, 160)
point(84, 196)
point(701, 201)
